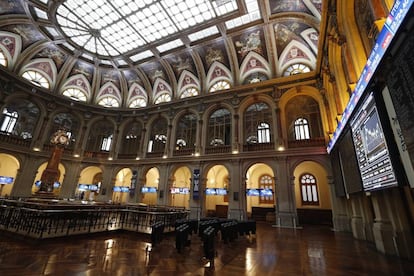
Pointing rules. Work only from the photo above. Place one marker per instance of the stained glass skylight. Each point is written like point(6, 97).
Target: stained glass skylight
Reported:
point(112, 28)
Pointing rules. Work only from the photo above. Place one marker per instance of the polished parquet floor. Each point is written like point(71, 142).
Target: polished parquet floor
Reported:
point(272, 251)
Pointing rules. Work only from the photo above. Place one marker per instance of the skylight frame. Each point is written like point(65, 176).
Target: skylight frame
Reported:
point(93, 29)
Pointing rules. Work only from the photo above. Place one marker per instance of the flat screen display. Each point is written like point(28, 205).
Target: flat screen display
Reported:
point(371, 149)
point(221, 191)
point(211, 191)
point(266, 192)
point(6, 180)
point(253, 192)
point(83, 187)
point(148, 190)
point(177, 190)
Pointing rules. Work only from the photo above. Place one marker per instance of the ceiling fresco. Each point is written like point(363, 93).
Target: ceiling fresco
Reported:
point(238, 41)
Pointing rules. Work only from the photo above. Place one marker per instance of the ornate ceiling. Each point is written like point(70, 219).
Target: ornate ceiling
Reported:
point(132, 54)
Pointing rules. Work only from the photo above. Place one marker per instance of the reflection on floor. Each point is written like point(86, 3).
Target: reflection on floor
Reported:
point(272, 251)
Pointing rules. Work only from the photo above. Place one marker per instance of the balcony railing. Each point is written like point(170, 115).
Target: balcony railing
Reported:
point(259, 147)
point(218, 149)
point(184, 151)
point(14, 140)
point(314, 142)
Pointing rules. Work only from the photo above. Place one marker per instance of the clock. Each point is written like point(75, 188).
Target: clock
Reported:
point(63, 139)
point(60, 137)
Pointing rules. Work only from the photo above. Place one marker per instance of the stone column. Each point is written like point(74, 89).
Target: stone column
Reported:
point(340, 219)
point(286, 213)
point(22, 186)
point(383, 229)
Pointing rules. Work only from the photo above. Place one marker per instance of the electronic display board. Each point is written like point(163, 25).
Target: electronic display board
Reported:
point(371, 149)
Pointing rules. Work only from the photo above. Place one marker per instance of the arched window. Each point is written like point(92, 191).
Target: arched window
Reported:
point(131, 139)
point(36, 78)
point(158, 136)
point(257, 120)
point(309, 189)
point(295, 69)
point(3, 60)
point(163, 98)
point(301, 129)
point(189, 92)
point(19, 118)
point(266, 189)
point(186, 132)
point(100, 136)
point(9, 121)
point(220, 85)
point(75, 94)
point(140, 102)
point(219, 128)
point(108, 102)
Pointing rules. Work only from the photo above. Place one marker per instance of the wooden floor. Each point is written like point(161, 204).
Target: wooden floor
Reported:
point(272, 251)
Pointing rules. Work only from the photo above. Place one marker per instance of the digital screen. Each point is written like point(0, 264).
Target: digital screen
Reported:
point(125, 189)
point(117, 188)
point(211, 191)
point(83, 187)
point(6, 180)
point(176, 190)
point(252, 192)
point(221, 191)
point(371, 148)
point(93, 187)
point(148, 190)
point(266, 192)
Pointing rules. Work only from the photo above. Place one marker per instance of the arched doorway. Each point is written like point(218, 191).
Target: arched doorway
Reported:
point(180, 188)
point(89, 185)
point(216, 197)
point(260, 196)
point(313, 202)
point(122, 185)
point(149, 190)
point(8, 171)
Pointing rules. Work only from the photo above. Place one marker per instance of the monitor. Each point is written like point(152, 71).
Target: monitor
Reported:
point(374, 160)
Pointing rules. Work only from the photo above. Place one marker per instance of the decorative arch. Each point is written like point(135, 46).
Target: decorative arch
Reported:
point(80, 82)
point(217, 72)
point(254, 63)
point(44, 66)
point(161, 87)
point(298, 92)
point(109, 90)
point(11, 45)
point(187, 80)
point(296, 52)
point(136, 92)
point(311, 36)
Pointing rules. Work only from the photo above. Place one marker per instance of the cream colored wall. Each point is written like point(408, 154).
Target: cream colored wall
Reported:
point(86, 177)
point(252, 175)
point(123, 178)
point(217, 177)
point(152, 180)
point(322, 182)
point(181, 180)
point(8, 167)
